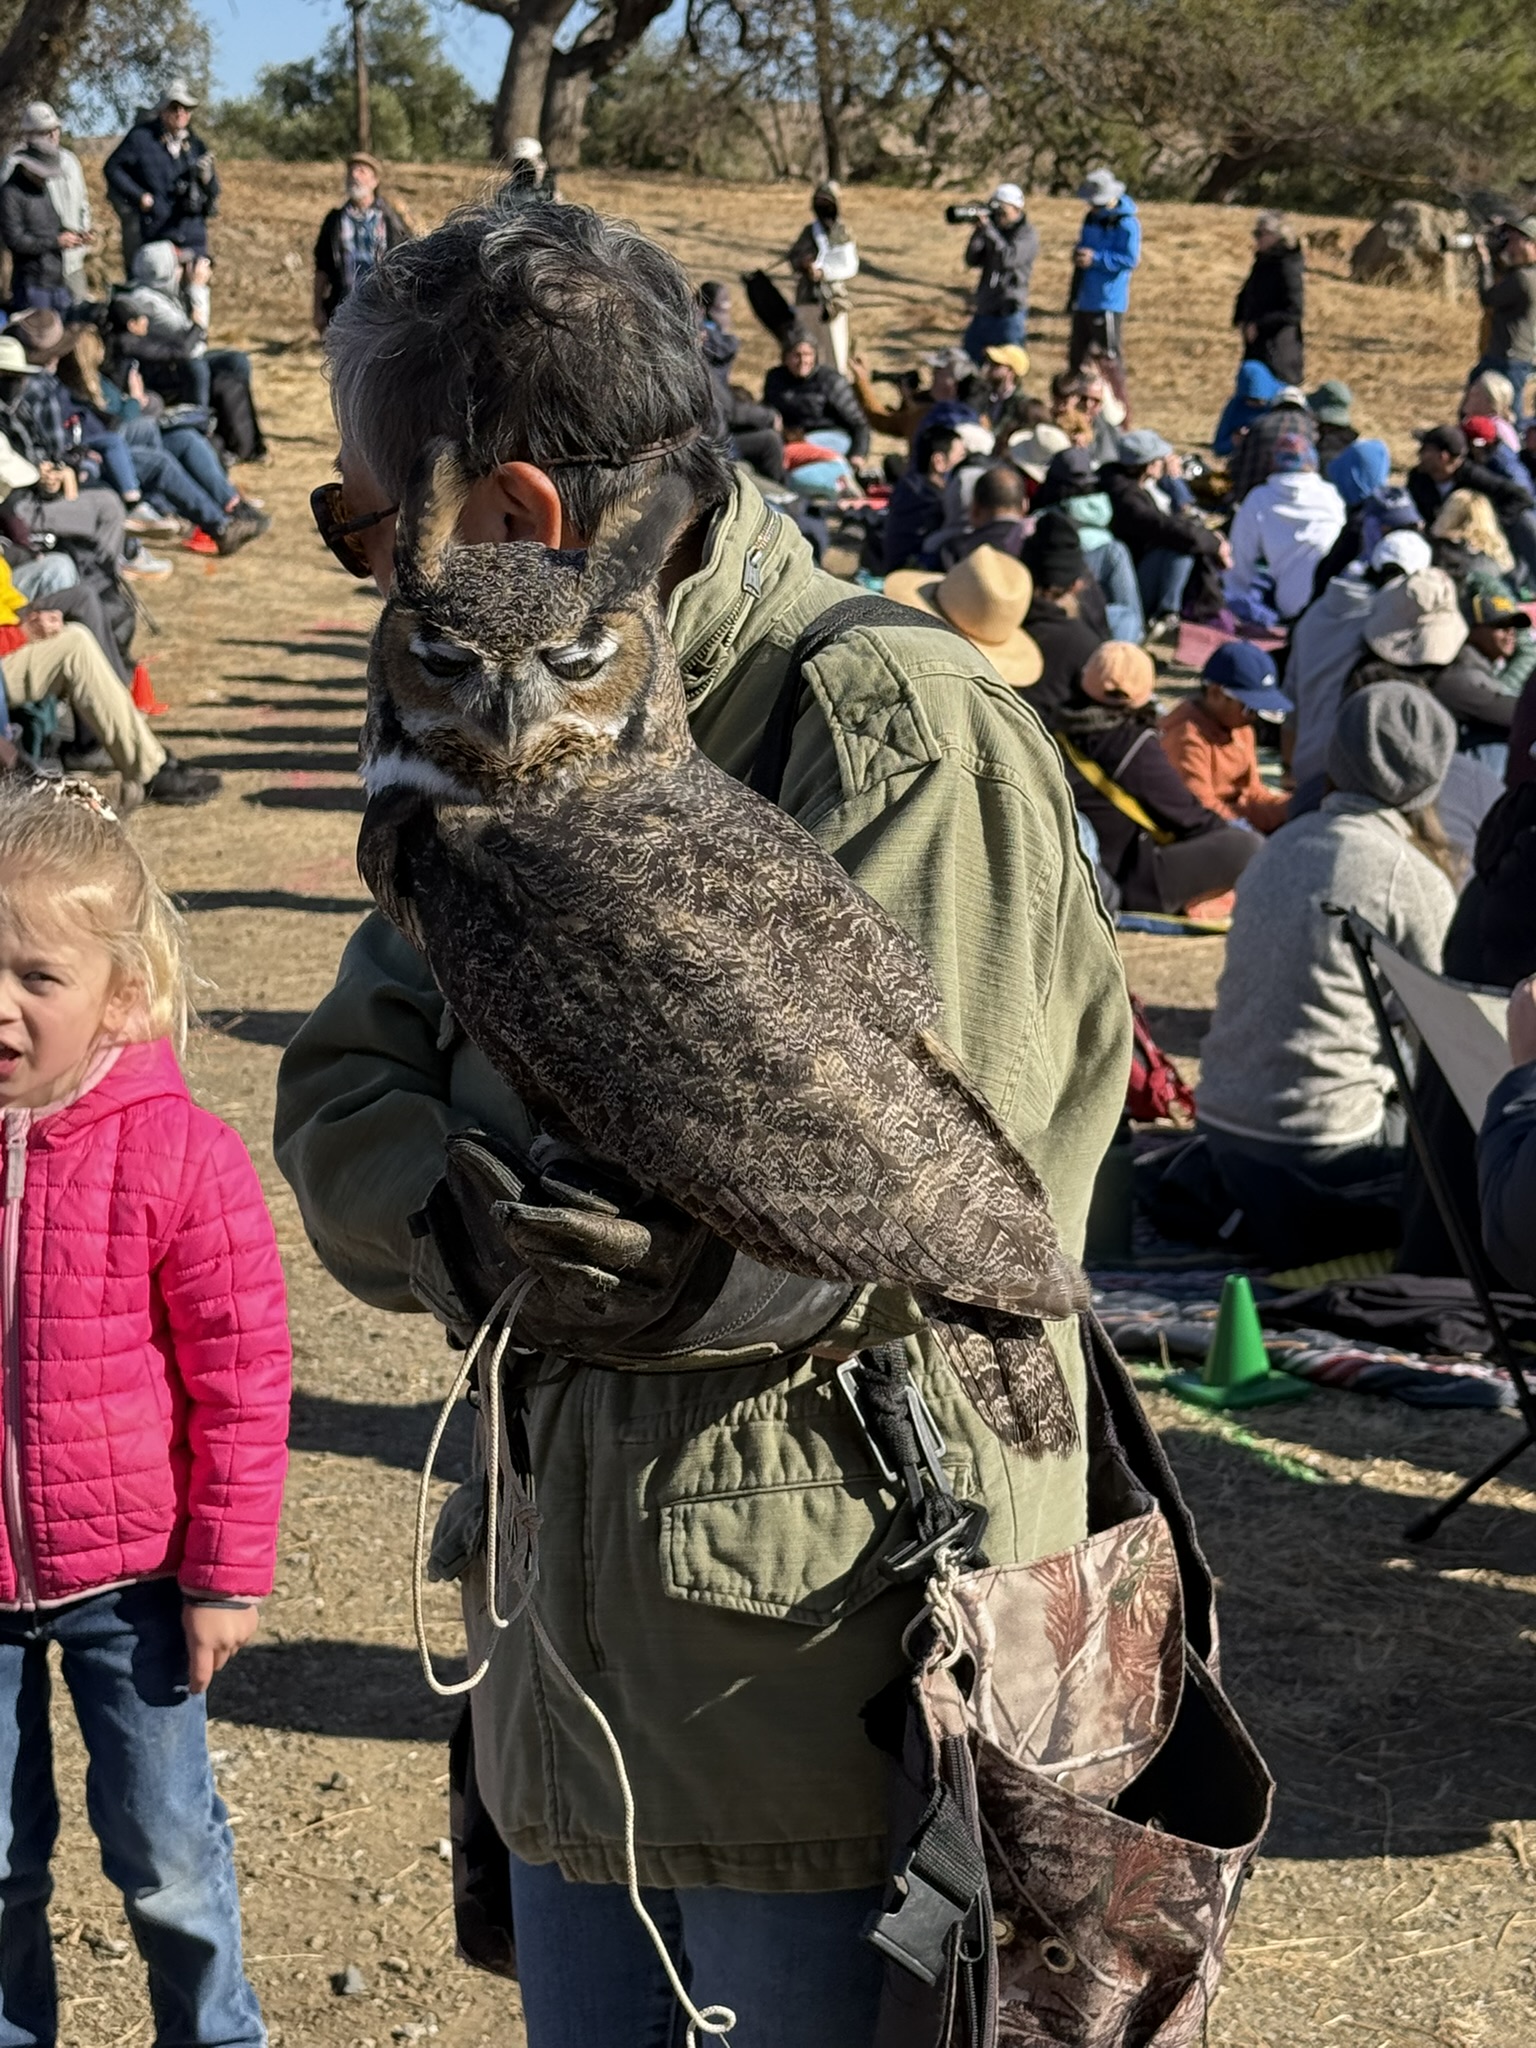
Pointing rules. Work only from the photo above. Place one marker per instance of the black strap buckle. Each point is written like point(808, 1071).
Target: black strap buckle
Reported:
point(913, 1458)
point(914, 1931)
point(962, 1534)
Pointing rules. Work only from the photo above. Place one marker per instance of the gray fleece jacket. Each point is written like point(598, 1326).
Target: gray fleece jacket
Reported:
point(1293, 1055)
point(1326, 642)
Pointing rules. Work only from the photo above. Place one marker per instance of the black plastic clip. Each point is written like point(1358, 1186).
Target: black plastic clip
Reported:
point(915, 1930)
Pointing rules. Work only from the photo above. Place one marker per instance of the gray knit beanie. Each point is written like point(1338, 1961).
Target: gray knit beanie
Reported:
point(1394, 742)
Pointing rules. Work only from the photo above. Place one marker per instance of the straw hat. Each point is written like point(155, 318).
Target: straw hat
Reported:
point(984, 597)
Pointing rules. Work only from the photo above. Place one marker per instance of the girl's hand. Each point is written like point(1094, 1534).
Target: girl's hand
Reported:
point(213, 1636)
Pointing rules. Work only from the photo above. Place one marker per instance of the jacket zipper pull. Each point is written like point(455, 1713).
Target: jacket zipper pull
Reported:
point(15, 1154)
point(752, 570)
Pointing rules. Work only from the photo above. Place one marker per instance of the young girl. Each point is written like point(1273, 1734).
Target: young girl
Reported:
point(145, 1381)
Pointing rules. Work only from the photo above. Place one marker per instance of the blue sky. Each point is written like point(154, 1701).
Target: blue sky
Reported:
point(250, 33)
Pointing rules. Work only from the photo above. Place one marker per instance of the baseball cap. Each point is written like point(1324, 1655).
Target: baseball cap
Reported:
point(1247, 673)
point(1480, 429)
point(179, 94)
point(37, 118)
point(1494, 608)
point(1011, 356)
point(13, 358)
point(1138, 449)
point(1449, 440)
point(1405, 549)
point(1007, 195)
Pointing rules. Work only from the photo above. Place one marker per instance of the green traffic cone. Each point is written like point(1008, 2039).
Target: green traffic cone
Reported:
point(1237, 1371)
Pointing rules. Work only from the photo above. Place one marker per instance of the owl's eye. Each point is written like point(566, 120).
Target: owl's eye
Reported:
point(580, 659)
point(443, 659)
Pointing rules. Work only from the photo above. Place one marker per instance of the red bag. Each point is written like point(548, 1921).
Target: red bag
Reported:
point(1156, 1092)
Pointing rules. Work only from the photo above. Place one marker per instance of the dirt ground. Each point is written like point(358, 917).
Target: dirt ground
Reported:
point(1391, 1687)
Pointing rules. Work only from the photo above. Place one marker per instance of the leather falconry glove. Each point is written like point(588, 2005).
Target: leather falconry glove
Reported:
point(623, 1278)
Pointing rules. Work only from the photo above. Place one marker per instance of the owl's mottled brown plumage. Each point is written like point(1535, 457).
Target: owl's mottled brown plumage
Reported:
point(655, 956)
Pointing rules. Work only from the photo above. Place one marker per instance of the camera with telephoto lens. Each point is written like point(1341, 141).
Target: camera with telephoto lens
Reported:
point(967, 214)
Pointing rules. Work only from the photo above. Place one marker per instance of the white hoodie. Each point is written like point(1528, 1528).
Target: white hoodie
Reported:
point(1286, 527)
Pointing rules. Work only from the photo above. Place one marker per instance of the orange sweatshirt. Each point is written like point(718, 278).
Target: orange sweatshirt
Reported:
point(1221, 767)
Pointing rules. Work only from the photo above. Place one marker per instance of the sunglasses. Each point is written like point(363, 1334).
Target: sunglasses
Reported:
point(329, 506)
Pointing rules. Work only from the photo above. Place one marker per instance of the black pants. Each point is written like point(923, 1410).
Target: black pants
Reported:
point(1172, 877)
point(762, 449)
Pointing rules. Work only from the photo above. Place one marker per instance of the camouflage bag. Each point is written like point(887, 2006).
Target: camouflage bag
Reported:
point(1075, 1803)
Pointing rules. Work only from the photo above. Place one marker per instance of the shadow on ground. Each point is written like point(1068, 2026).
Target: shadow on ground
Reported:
point(1388, 1684)
point(336, 1688)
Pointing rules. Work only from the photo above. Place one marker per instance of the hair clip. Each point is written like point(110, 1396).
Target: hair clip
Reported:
point(74, 789)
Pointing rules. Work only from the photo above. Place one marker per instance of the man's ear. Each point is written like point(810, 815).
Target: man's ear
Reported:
point(631, 546)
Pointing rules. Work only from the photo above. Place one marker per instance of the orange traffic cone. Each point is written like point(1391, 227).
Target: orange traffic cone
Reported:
point(144, 697)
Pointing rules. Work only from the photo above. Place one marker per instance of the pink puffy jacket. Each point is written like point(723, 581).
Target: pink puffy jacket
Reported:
point(146, 1361)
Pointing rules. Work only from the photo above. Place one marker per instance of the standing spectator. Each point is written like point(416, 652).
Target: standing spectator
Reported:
point(1332, 405)
point(162, 179)
point(1280, 534)
point(1269, 307)
point(1507, 289)
point(354, 236)
point(815, 402)
point(1165, 542)
point(917, 504)
point(1159, 845)
point(35, 236)
point(825, 260)
point(528, 169)
point(1003, 247)
point(1108, 250)
point(1210, 738)
point(66, 189)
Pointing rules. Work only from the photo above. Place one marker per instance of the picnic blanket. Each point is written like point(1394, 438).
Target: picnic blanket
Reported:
point(1173, 1315)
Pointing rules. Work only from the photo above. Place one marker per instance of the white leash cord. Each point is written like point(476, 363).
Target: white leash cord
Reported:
point(716, 2021)
point(504, 1309)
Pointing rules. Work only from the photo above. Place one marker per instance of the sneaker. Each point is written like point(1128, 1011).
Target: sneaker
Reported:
point(1164, 632)
point(198, 542)
point(177, 783)
point(241, 528)
point(143, 563)
point(156, 525)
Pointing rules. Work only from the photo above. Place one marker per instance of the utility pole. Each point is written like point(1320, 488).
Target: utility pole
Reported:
point(360, 74)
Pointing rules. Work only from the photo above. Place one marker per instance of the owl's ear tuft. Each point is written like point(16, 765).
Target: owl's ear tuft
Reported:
point(429, 512)
point(633, 542)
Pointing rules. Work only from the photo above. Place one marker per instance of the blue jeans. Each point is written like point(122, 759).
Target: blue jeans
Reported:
point(196, 454)
point(168, 483)
point(1163, 577)
point(789, 1964)
point(994, 330)
point(832, 438)
point(118, 467)
point(1113, 570)
point(45, 575)
point(54, 298)
point(165, 1840)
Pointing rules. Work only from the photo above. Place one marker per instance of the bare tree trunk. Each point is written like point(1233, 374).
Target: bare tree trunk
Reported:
point(1239, 160)
point(826, 88)
point(519, 108)
point(360, 76)
point(605, 41)
point(34, 54)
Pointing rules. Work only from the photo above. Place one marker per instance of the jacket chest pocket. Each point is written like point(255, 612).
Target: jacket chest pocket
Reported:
point(785, 1518)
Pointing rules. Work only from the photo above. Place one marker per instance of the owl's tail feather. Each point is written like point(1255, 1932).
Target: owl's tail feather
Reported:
point(1007, 1366)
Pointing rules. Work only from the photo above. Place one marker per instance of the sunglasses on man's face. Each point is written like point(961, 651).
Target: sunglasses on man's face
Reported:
point(329, 505)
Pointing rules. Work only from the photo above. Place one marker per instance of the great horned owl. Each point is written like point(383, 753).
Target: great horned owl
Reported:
point(672, 968)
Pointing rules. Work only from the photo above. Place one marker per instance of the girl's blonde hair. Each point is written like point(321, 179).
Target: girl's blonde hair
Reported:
point(1468, 517)
point(1500, 394)
point(60, 837)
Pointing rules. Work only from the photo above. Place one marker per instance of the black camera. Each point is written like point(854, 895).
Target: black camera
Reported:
point(968, 213)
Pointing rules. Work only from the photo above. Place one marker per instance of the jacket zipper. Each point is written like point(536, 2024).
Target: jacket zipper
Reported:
point(17, 1123)
point(704, 656)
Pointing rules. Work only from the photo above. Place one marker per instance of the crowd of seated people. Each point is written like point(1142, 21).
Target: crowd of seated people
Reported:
point(119, 426)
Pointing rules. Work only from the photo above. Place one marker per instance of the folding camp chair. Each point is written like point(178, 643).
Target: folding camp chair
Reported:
point(1462, 1031)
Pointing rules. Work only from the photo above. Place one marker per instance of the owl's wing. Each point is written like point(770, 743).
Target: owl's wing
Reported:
point(718, 1009)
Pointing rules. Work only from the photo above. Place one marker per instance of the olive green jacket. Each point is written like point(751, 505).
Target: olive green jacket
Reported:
point(710, 1545)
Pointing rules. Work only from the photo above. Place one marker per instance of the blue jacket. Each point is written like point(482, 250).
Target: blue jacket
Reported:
point(183, 204)
point(1257, 387)
point(1113, 235)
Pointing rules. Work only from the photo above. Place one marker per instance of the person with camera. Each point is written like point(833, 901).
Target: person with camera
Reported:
point(1003, 247)
point(162, 179)
point(1506, 259)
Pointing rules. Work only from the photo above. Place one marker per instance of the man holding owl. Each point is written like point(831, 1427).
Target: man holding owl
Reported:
point(712, 1521)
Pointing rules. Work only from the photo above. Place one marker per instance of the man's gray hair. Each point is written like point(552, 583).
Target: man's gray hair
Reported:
point(529, 331)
